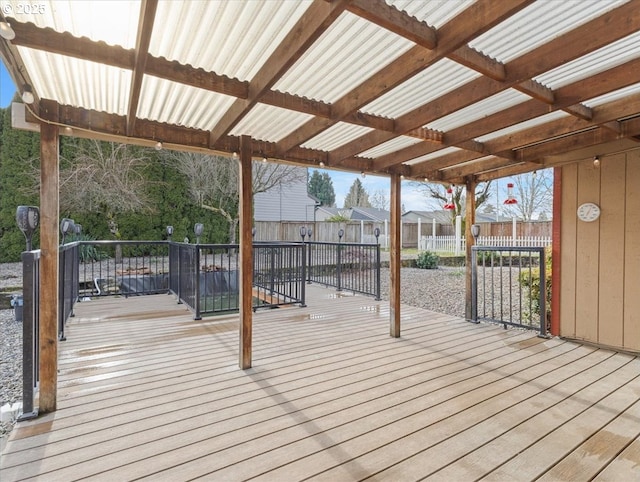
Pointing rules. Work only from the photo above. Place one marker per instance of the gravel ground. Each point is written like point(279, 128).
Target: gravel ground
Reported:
point(441, 290)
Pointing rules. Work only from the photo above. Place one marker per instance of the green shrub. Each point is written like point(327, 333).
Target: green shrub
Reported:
point(427, 260)
point(88, 252)
point(530, 280)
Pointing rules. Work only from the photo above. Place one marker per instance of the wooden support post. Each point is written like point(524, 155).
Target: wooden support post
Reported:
point(49, 204)
point(470, 220)
point(246, 253)
point(556, 244)
point(394, 259)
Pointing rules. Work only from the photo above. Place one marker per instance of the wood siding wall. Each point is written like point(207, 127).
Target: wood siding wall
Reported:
point(600, 277)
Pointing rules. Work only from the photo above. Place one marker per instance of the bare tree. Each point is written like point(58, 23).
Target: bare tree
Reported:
point(380, 200)
point(534, 193)
point(103, 177)
point(213, 181)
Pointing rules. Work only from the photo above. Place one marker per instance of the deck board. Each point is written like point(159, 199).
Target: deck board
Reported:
point(146, 391)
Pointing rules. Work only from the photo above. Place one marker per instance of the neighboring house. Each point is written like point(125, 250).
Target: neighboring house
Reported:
point(289, 202)
point(324, 212)
point(444, 217)
point(370, 214)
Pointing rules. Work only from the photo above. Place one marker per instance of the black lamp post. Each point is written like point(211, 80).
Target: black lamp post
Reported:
point(169, 232)
point(303, 233)
point(340, 234)
point(28, 219)
point(198, 229)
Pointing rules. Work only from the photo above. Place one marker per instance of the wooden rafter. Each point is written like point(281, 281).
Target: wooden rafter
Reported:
point(311, 25)
point(145, 28)
point(472, 22)
point(575, 43)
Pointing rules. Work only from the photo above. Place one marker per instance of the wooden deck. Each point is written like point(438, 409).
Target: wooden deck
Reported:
point(147, 392)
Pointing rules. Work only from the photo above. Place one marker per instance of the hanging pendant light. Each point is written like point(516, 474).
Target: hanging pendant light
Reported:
point(510, 198)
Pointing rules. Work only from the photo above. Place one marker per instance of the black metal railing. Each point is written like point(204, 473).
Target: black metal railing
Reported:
point(108, 268)
point(279, 274)
point(346, 266)
point(30, 330)
point(68, 286)
point(504, 287)
point(206, 276)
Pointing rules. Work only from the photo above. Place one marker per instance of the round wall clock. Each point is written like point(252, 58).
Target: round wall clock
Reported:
point(588, 212)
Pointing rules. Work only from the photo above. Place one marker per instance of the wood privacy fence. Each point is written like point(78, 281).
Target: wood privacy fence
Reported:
point(363, 231)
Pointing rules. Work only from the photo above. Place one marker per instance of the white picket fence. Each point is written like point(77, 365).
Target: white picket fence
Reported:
point(457, 245)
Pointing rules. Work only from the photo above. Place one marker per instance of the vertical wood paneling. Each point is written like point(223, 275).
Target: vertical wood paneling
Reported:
point(587, 254)
point(556, 251)
point(568, 255)
point(631, 323)
point(612, 262)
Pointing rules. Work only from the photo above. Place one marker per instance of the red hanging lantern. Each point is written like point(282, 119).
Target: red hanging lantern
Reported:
point(449, 206)
point(510, 198)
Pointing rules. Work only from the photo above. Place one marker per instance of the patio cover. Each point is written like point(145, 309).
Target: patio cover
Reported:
point(453, 91)
point(438, 89)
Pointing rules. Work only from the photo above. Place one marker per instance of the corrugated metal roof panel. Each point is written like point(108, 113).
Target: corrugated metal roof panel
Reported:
point(335, 136)
point(268, 123)
point(435, 12)
point(433, 155)
point(390, 146)
point(102, 88)
point(166, 101)
point(523, 125)
point(614, 54)
point(113, 23)
point(537, 24)
point(244, 33)
point(484, 108)
point(350, 51)
point(442, 77)
point(612, 96)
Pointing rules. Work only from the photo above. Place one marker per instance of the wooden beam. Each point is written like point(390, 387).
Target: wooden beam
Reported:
point(389, 17)
point(49, 240)
point(394, 256)
point(313, 23)
point(575, 43)
point(479, 62)
point(145, 29)
point(246, 253)
point(470, 23)
point(470, 219)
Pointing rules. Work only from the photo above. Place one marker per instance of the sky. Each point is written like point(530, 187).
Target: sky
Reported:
point(412, 198)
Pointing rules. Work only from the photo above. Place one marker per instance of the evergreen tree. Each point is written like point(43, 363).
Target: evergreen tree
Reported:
point(357, 196)
point(321, 187)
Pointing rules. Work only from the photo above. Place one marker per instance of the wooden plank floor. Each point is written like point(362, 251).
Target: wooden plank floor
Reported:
point(147, 392)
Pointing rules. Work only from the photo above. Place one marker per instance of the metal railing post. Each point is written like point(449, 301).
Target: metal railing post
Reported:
point(474, 284)
point(197, 315)
point(304, 270)
point(378, 273)
point(543, 294)
point(339, 267)
point(29, 335)
point(61, 301)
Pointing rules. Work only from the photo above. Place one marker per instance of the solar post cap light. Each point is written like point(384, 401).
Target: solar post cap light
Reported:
point(67, 226)
point(169, 232)
point(376, 233)
point(28, 219)
point(475, 232)
point(303, 233)
point(198, 229)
